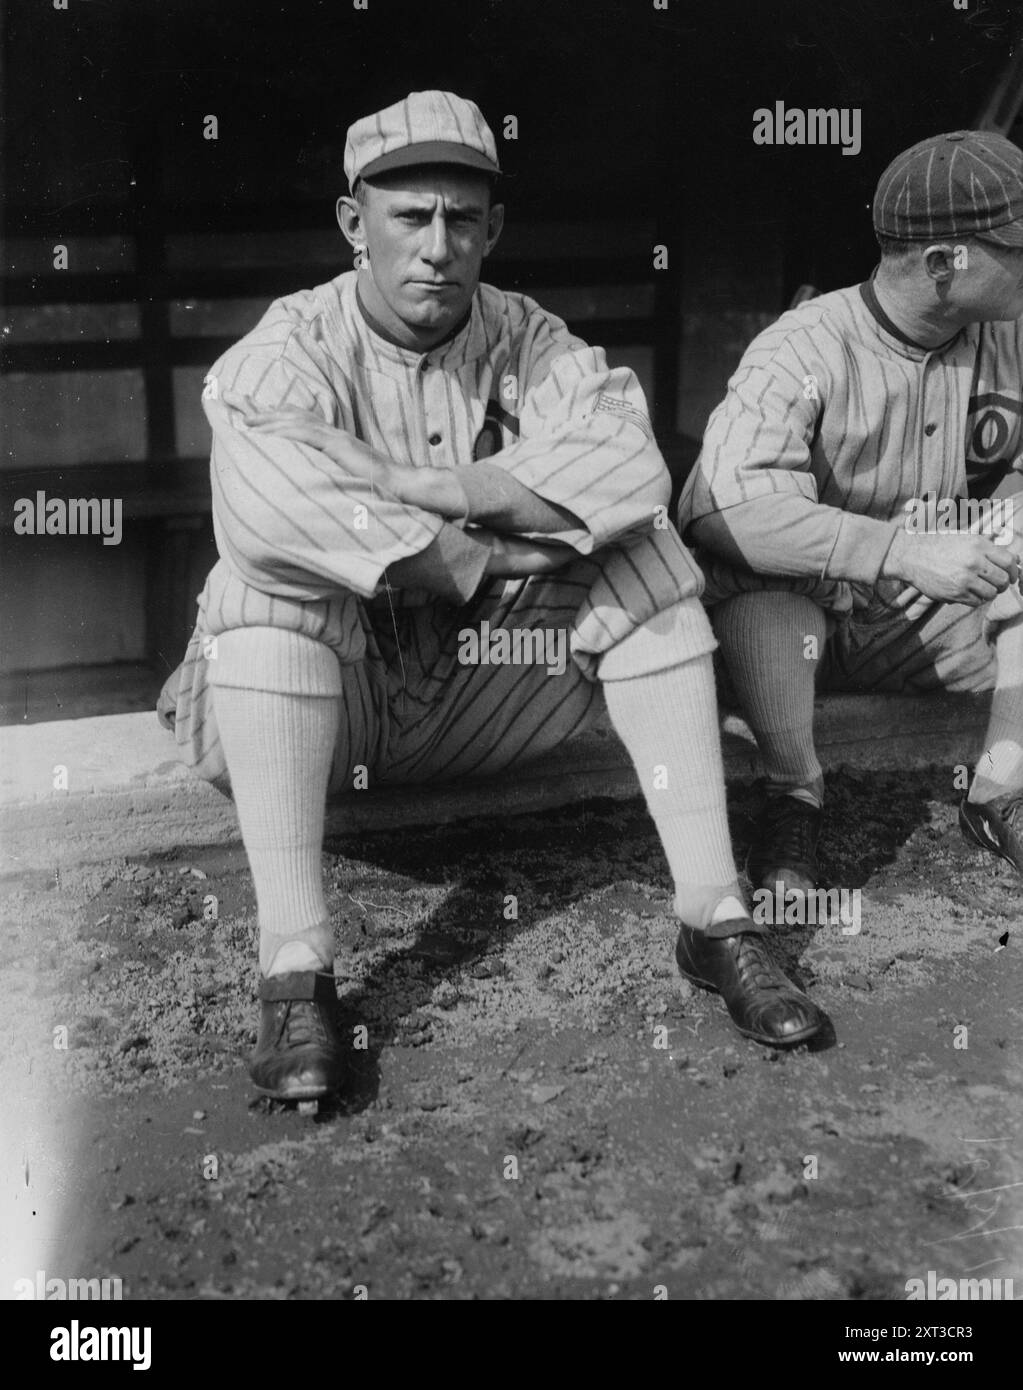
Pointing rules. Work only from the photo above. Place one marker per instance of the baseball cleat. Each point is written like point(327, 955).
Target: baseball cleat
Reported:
point(784, 848)
point(298, 1051)
point(996, 826)
point(763, 1002)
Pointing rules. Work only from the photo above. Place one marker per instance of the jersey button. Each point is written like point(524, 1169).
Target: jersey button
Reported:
point(929, 429)
point(434, 439)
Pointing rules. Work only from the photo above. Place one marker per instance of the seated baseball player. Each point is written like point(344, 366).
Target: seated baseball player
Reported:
point(841, 506)
point(403, 455)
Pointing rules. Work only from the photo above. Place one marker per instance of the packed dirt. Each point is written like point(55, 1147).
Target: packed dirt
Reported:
point(543, 1108)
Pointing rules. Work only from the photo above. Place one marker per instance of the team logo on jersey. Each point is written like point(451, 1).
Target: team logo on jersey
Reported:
point(500, 428)
point(992, 439)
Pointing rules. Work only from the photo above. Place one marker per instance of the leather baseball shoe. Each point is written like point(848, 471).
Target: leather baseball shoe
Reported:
point(763, 1002)
point(784, 848)
point(298, 1051)
point(996, 826)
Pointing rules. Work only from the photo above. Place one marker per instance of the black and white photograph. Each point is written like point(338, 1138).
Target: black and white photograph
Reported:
point(511, 667)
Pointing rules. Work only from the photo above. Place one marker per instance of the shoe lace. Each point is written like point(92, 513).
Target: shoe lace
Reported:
point(791, 831)
point(755, 965)
point(302, 1025)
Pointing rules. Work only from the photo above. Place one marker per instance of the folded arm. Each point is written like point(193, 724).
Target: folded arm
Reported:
point(292, 521)
point(481, 493)
point(585, 469)
point(752, 497)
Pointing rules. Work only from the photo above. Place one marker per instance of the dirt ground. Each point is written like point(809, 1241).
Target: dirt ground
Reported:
point(544, 1109)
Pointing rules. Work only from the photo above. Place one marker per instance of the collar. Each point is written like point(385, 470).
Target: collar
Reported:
point(378, 328)
point(869, 296)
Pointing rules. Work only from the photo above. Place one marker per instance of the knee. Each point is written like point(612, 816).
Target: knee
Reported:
point(669, 638)
point(274, 659)
point(763, 610)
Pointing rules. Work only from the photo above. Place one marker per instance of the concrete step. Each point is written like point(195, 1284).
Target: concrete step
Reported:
point(123, 791)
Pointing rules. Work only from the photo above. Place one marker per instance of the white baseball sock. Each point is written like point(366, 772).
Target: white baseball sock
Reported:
point(276, 697)
point(1000, 766)
point(668, 720)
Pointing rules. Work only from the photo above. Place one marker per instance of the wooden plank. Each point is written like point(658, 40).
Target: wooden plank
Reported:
point(180, 487)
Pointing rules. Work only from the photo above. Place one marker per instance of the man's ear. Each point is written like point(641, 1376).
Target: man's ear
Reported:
point(349, 219)
point(495, 225)
point(939, 262)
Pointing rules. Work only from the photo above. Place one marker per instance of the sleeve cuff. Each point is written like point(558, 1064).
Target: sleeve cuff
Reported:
point(861, 546)
point(451, 566)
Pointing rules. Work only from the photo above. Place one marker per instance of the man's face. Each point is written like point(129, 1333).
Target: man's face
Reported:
point(991, 288)
point(426, 232)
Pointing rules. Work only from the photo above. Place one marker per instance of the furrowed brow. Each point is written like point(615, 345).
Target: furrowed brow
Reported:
point(406, 206)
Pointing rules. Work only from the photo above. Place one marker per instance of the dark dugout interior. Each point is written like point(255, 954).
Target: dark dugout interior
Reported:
point(634, 130)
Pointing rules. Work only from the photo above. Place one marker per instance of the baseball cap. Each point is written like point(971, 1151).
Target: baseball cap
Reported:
point(964, 183)
point(424, 128)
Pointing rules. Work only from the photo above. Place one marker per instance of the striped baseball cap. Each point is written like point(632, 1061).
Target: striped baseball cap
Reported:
point(964, 183)
point(424, 128)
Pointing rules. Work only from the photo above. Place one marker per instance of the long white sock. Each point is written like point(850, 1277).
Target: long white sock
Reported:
point(278, 745)
point(668, 721)
point(1000, 766)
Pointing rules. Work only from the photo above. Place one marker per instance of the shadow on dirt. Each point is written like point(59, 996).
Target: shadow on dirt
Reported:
point(547, 858)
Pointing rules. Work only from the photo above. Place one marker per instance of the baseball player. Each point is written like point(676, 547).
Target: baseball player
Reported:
point(403, 456)
point(847, 424)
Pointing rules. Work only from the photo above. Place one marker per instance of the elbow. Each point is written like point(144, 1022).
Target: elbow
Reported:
point(712, 533)
point(647, 479)
point(660, 484)
point(261, 553)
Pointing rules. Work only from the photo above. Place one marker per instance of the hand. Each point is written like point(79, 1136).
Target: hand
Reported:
point(435, 490)
point(952, 568)
point(514, 557)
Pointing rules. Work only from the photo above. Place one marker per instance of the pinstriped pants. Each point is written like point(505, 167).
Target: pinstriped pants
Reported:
point(872, 645)
point(412, 710)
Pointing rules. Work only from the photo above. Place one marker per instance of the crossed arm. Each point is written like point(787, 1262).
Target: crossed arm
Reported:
point(497, 506)
point(752, 499)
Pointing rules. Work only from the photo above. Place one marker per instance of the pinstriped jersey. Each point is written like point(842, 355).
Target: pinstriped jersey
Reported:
point(513, 385)
point(833, 421)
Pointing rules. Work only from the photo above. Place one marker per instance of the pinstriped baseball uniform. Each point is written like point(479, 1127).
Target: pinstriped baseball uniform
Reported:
point(832, 422)
point(306, 547)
